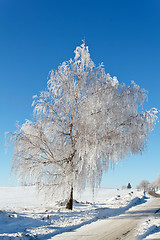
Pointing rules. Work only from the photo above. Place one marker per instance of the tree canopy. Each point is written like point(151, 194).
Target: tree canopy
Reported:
point(83, 121)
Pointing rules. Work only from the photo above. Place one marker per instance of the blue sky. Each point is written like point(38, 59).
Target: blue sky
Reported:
point(36, 36)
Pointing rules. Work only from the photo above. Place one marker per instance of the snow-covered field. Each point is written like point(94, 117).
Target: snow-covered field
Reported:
point(24, 216)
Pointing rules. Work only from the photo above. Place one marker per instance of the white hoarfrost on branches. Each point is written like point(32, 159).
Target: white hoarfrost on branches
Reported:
point(84, 121)
point(144, 185)
point(155, 185)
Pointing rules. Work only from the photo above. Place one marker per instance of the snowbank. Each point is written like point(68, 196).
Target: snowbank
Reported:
point(23, 215)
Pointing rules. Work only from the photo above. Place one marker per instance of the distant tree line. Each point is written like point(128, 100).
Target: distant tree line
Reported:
point(145, 185)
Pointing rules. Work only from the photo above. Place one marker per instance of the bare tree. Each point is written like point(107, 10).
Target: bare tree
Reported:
point(83, 121)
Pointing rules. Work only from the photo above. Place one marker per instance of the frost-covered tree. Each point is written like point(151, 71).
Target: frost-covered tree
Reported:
point(152, 186)
point(84, 121)
point(156, 184)
point(144, 184)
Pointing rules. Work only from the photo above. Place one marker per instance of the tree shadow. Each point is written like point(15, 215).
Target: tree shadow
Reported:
point(153, 229)
point(24, 222)
point(102, 213)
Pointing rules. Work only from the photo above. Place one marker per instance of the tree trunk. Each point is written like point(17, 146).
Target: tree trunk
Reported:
point(69, 204)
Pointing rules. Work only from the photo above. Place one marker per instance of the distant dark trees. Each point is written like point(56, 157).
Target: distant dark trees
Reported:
point(129, 186)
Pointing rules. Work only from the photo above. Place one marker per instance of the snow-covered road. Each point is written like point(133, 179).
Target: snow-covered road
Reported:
point(116, 228)
point(113, 215)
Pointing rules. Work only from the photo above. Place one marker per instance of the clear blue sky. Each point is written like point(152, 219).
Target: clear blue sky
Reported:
point(36, 36)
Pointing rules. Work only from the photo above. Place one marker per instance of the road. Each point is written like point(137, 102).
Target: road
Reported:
point(122, 227)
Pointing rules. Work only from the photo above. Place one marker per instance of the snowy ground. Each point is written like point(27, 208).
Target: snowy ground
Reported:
point(25, 217)
point(149, 228)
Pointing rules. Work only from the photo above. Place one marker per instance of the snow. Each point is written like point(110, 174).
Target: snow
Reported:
point(25, 216)
point(149, 228)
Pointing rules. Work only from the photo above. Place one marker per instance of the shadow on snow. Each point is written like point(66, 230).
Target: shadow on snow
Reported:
point(25, 223)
